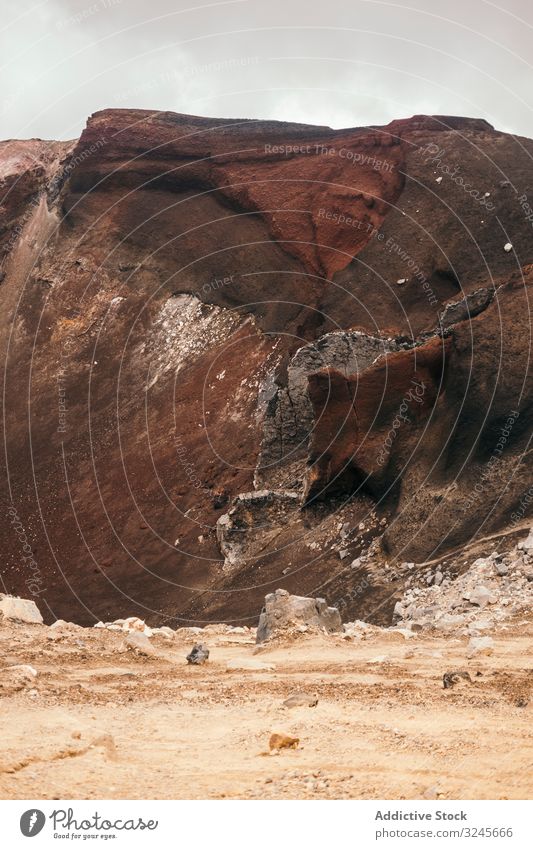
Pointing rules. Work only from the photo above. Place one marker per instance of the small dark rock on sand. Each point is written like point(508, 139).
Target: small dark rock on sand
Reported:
point(198, 654)
point(450, 679)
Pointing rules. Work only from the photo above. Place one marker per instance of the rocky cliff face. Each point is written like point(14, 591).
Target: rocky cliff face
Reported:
point(240, 355)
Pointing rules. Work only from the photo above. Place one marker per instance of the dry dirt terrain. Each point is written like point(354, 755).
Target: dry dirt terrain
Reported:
point(101, 721)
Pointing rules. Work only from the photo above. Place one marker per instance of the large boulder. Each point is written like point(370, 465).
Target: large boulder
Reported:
point(20, 609)
point(282, 609)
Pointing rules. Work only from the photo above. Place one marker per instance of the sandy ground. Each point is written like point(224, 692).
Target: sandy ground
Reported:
point(102, 722)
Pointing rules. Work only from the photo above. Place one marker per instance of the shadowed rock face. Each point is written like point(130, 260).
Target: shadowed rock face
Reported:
point(368, 424)
point(190, 306)
point(289, 417)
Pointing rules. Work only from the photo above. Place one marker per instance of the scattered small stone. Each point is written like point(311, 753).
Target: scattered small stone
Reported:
point(430, 793)
point(480, 645)
point(133, 623)
point(140, 644)
point(129, 625)
point(60, 630)
point(398, 610)
point(527, 544)
point(17, 677)
point(450, 679)
point(479, 625)
point(164, 631)
point(65, 626)
point(450, 621)
point(406, 633)
point(283, 741)
point(25, 670)
point(300, 700)
point(481, 596)
point(198, 654)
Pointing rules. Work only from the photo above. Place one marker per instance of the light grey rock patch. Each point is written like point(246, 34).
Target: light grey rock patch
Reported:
point(20, 609)
point(282, 610)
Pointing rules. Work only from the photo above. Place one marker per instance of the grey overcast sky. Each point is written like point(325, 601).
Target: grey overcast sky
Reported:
point(343, 63)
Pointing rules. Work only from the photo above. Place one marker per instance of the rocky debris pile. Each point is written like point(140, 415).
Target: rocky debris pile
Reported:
point(25, 611)
point(359, 630)
point(284, 611)
point(61, 630)
point(248, 517)
point(20, 609)
point(134, 624)
point(300, 700)
point(494, 589)
point(349, 535)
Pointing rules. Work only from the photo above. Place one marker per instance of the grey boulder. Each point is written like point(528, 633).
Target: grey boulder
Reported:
point(198, 654)
point(282, 610)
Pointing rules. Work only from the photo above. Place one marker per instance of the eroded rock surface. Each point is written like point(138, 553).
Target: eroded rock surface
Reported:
point(193, 309)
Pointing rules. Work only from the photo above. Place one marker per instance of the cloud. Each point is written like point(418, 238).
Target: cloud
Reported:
point(338, 64)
